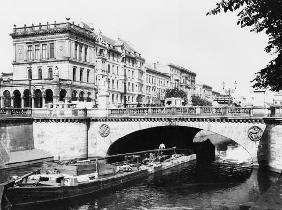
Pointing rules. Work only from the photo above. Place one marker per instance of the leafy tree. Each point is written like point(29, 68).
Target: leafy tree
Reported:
point(261, 16)
point(176, 93)
point(198, 101)
point(139, 100)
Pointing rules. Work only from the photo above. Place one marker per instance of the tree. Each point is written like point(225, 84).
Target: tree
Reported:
point(139, 100)
point(261, 16)
point(176, 93)
point(198, 101)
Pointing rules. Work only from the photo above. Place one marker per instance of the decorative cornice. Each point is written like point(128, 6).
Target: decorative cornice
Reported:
point(62, 119)
point(177, 119)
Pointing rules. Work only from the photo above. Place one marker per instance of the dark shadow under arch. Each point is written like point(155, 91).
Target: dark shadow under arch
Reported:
point(151, 138)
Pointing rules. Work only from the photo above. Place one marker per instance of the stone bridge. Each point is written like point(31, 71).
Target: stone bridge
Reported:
point(105, 131)
point(72, 133)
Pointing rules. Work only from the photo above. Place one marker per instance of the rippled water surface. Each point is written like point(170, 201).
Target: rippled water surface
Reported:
point(218, 186)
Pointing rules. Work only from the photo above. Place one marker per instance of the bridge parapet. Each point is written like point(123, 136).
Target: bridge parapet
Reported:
point(193, 110)
point(197, 111)
point(15, 112)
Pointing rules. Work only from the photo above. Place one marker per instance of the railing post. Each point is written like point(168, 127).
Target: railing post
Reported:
point(198, 110)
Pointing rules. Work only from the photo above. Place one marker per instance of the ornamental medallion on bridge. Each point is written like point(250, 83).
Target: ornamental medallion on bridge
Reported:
point(104, 130)
point(255, 133)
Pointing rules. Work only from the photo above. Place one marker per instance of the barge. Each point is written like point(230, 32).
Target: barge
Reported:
point(38, 188)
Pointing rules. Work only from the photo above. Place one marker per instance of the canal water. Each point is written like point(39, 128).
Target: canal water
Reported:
point(220, 185)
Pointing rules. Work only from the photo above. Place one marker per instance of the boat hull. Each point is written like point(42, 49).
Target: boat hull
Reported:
point(34, 195)
point(21, 196)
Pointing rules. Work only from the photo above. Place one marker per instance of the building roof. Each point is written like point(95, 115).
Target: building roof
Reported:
point(150, 67)
point(108, 40)
point(181, 68)
point(207, 86)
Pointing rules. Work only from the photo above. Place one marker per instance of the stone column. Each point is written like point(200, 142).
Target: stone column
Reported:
point(55, 99)
point(32, 102)
point(2, 101)
point(43, 101)
point(22, 102)
point(12, 101)
point(14, 52)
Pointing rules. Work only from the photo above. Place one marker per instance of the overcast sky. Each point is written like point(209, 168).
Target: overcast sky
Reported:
point(167, 31)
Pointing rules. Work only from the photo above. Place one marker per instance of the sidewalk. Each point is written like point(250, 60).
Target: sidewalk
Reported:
point(27, 157)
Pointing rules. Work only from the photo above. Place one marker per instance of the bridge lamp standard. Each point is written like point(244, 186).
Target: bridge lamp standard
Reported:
point(229, 91)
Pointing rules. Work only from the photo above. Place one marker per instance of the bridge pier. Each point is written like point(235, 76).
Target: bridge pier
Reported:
point(205, 152)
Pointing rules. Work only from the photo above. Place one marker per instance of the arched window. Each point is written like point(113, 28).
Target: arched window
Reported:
point(50, 73)
point(74, 74)
point(39, 73)
point(29, 73)
point(81, 75)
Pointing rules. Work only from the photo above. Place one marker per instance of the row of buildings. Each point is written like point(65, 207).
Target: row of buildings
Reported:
point(68, 62)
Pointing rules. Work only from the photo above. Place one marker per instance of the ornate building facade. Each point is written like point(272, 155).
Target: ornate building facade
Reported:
point(157, 81)
point(68, 62)
point(183, 78)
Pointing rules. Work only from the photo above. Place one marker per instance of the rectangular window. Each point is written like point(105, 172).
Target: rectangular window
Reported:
point(74, 74)
point(52, 50)
point(75, 51)
point(44, 51)
point(109, 68)
point(37, 52)
point(29, 52)
point(85, 54)
point(80, 52)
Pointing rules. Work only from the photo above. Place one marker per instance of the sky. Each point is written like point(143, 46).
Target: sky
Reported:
point(167, 31)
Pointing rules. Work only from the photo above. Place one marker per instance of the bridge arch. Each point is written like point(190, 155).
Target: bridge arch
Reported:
point(180, 137)
point(105, 132)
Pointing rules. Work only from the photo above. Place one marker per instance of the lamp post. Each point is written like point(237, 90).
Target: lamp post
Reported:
point(124, 85)
point(229, 91)
point(29, 96)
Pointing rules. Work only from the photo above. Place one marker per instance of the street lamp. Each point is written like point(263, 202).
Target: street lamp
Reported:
point(124, 85)
point(229, 91)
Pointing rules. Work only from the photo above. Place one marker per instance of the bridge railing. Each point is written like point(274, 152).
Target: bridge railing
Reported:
point(138, 111)
point(47, 112)
point(15, 112)
point(193, 110)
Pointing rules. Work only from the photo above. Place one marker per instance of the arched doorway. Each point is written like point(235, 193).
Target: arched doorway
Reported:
point(27, 98)
point(74, 95)
point(81, 96)
point(17, 99)
point(48, 96)
point(7, 98)
point(37, 98)
point(63, 94)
